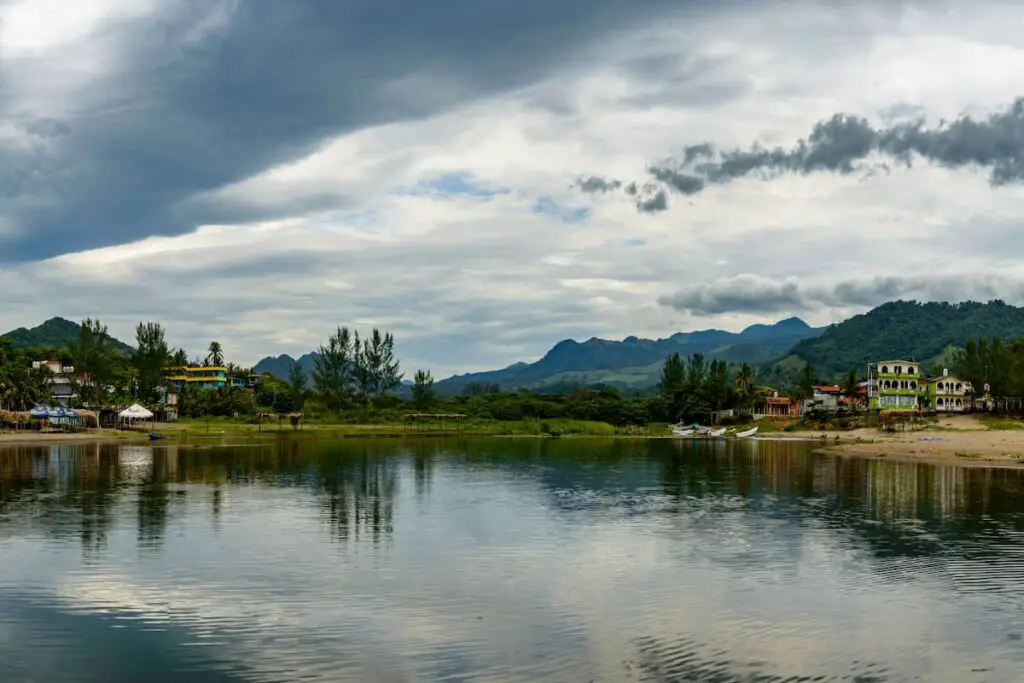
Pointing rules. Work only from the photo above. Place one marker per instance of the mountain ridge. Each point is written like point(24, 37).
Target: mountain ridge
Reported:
point(56, 333)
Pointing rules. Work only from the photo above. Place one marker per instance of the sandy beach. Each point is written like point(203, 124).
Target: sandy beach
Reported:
point(962, 439)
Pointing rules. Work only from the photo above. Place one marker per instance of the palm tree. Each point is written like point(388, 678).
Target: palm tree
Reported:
point(216, 354)
point(95, 360)
point(744, 385)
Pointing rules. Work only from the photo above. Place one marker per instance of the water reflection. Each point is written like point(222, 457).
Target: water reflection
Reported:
point(506, 560)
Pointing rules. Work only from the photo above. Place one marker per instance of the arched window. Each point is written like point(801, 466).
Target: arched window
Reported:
point(910, 369)
point(939, 402)
point(940, 386)
point(959, 403)
point(885, 384)
point(913, 385)
point(959, 386)
point(885, 368)
point(903, 384)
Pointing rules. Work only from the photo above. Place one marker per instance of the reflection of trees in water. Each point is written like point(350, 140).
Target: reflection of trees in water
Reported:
point(357, 494)
point(68, 489)
point(152, 500)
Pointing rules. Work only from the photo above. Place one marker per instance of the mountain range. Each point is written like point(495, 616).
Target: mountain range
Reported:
point(930, 333)
point(635, 363)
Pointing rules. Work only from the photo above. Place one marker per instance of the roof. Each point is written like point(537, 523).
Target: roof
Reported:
point(828, 388)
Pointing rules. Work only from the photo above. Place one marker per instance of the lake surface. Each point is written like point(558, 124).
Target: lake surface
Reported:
point(505, 560)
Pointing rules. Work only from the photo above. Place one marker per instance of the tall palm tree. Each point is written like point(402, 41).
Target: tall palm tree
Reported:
point(743, 384)
point(216, 354)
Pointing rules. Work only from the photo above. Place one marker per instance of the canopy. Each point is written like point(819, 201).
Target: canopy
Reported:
point(40, 411)
point(135, 412)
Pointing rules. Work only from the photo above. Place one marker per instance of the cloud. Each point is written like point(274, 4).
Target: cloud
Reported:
point(759, 295)
point(259, 173)
point(172, 100)
point(844, 144)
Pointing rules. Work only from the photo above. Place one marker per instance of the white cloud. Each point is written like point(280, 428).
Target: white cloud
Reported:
point(475, 281)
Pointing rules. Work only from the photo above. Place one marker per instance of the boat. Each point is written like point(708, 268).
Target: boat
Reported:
point(153, 436)
point(681, 432)
point(717, 432)
point(745, 434)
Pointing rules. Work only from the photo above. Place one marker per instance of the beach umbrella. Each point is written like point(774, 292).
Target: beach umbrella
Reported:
point(40, 412)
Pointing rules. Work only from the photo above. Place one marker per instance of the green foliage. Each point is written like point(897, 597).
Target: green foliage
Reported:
point(423, 389)
point(901, 329)
point(97, 362)
point(995, 363)
point(21, 387)
point(334, 375)
point(297, 387)
point(55, 333)
point(215, 354)
point(149, 360)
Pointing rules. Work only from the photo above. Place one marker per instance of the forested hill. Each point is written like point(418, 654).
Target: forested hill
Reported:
point(55, 333)
point(927, 332)
point(634, 363)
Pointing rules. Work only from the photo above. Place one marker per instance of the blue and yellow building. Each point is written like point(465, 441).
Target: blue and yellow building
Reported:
point(204, 377)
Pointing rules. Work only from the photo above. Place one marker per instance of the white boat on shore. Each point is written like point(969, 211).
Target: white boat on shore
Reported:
point(681, 432)
point(717, 432)
point(747, 433)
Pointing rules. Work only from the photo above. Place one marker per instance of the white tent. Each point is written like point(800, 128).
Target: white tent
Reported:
point(135, 412)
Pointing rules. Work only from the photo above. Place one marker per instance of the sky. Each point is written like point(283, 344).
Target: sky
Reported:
point(486, 179)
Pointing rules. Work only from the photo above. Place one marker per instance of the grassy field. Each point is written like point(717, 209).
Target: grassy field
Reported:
point(186, 428)
point(1002, 422)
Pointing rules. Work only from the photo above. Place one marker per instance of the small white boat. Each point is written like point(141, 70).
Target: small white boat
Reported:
point(745, 434)
point(717, 432)
point(681, 432)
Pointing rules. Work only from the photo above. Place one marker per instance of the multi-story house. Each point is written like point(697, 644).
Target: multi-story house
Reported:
point(949, 393)
point(204, 377)
point(896, 385)
point(60, 381)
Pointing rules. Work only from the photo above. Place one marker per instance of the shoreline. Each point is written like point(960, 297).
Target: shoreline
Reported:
point(962, 440)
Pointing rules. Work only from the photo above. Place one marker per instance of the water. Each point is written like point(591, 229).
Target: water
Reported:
point(505, 560)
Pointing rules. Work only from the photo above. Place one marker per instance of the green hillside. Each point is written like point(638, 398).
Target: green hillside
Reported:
point(929, 333)
point(633, 364)
point(55, 333)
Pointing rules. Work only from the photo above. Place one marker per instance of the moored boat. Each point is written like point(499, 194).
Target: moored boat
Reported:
point(746, 433)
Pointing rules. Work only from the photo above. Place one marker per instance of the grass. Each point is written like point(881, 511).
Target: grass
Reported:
point(1000, 422)
point(220, 427)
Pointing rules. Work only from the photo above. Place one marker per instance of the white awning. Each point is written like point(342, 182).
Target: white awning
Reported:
point(135, 412)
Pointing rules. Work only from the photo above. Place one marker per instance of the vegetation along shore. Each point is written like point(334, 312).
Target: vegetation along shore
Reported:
point(355, 386)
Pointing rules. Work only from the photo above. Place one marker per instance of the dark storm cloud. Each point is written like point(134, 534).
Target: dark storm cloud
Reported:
point(843, 143)
point(177, 119)
point(751, 294)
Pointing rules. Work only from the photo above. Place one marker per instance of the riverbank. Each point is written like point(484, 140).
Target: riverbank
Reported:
point(961, 439)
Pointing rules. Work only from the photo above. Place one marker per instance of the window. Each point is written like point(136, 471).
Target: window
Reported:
point(885, 368)
point(939, 402)
point(959, 386)
point(913, 385)
point(940, 386)
point(959, 403)
point(910, 369)
point(886, 384)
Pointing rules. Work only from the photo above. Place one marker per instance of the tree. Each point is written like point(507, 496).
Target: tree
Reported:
point(422, 389)
point(297, 386)
point(851, 384)
point(806, 382)
point(215, 355)
point(378, 369)
point(151, 358)
point(333, 372)
point(179, 358)
point(673, 377)
point(95, 360)
point(743, 385)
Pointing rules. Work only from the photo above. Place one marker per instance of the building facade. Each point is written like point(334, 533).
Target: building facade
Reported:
point(949, 393)
point(896, 385)
point(204, 377)
point(60, 381)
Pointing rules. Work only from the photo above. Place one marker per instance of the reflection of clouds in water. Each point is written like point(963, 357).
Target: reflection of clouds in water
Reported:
point(498, 570)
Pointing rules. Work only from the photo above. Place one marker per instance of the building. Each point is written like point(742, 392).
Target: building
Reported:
point(166, 409)
point(60, 380)
point(949, 393)
point(896, 385)
point(204, 377)
point(779, 406)
point(825, 397)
